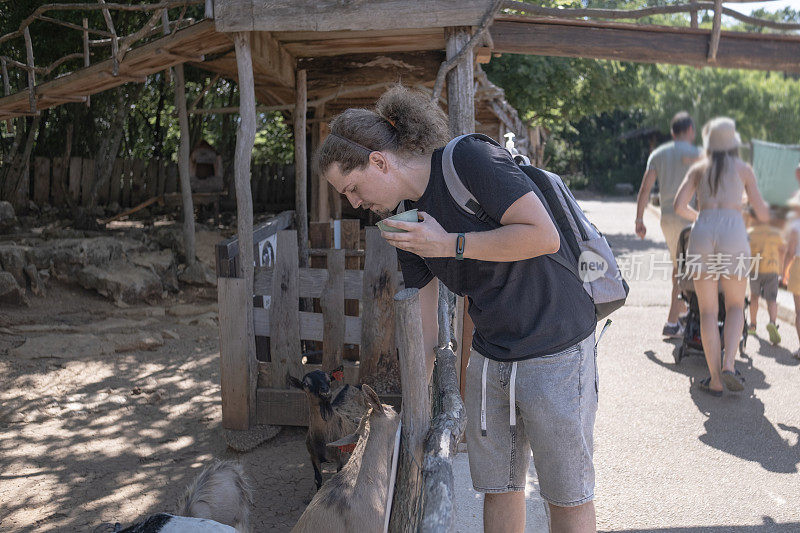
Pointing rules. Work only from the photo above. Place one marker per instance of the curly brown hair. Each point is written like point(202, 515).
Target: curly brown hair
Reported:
point(404, 122)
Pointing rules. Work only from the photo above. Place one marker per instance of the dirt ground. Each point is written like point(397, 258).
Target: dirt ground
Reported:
point(87, 439)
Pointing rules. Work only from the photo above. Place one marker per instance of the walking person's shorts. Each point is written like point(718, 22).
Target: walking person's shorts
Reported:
point(556, 402)
point(766, 286)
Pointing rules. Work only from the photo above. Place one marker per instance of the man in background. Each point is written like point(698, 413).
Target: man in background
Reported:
point(668, 164)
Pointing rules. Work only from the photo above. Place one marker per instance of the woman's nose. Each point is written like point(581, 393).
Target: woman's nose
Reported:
point(355, 202)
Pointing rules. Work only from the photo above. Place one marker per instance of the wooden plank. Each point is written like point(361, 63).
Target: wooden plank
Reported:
point(681, 46)
point(284, 313)
point(289, 407)
point(171, 184)
point(311, 282)
point(312, 15)
point(229, 248)
point(234, 368)
point(75, 168)
point(137, 182)
point(151, 185)
point(416, 412)
point(127, 170)
point(378, 354)
point(115, 187)
point(311, 326)
point(332, 302)
point(350, 235)
point(58, 187)
point(41, 180)
point(162, 175)
point(87, 180)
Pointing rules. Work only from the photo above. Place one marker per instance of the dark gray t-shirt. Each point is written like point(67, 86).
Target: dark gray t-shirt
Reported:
point(521, 309)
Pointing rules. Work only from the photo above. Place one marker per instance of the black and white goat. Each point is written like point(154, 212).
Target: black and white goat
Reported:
point(329, 419)
point(356, 499)
point(217, 501)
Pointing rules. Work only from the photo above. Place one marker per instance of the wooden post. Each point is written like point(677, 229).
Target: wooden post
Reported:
point(301, 167)
point(461, 114)
point(209, 11)
point(183, 167)
point(715, 32)
point(31, 74)
point(415, 414)
point(460, 81)
point(693, 19)
point(377, 351)
point(245, 139)
point(86, 53)
point(323, 187)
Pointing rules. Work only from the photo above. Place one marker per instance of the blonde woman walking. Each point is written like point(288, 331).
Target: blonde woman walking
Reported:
point(718, 254)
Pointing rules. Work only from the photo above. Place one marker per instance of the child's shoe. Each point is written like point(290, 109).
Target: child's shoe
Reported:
point(774, 336)
point(751, 329)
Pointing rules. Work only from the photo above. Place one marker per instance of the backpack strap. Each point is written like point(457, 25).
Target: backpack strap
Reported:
point(455, 186)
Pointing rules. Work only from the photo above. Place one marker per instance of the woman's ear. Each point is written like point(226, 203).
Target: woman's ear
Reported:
point(379, 160)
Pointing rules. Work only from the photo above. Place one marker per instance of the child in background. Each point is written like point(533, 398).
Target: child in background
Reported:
point(791, 261)
point(766, 243)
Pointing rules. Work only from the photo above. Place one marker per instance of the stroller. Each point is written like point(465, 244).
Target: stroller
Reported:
point(691, 334)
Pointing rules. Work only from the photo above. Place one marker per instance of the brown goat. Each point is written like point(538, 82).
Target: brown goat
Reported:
point(355, 498)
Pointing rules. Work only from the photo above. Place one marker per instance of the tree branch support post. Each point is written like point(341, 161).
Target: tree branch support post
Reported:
point(183, 166)
point(86, 53)
point(301, 166)
point(31, 69)
point(6, 91)
point(713, 46)
point(245, 139)
point(415, 414)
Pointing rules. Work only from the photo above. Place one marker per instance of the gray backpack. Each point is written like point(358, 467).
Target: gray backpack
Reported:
point(592, 259)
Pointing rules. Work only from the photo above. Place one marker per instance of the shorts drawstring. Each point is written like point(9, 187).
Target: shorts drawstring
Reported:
point(512, 412)
point(512, 415)
point(483, 396)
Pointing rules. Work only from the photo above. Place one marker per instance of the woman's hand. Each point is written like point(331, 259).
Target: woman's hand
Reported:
point(425, 238)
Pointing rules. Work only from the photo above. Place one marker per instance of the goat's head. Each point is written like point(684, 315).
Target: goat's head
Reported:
point(377, 415)
point(317, 386)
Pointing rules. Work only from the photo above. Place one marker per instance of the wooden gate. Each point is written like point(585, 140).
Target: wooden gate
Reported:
point(280, 326)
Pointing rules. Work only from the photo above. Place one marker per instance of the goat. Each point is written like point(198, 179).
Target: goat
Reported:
point(328, 420)
point(356, 498)
point(217, 501)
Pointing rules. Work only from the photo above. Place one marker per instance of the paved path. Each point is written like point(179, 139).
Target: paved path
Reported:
point(670, 458)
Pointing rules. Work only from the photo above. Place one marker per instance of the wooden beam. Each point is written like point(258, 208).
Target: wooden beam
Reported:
point(183, 167)
point(270, 57)
point(301, 166)
point(628, 42)
point(245, 139)
point(313, 15)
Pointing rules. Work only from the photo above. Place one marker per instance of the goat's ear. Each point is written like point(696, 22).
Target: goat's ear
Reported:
point(294, 382)
point(352, 438)
point(372, 398)
point(337, 374)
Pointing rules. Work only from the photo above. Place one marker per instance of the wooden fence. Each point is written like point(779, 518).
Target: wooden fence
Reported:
point(280, 326)
point(61, 182)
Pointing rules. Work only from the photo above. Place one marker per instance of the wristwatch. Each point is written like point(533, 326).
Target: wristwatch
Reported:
point(460, 246)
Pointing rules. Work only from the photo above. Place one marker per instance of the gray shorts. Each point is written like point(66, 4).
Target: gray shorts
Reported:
point(556, 402)
point(765, 285)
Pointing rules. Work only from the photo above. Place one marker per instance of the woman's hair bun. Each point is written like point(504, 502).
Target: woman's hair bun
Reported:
point(420, 124)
